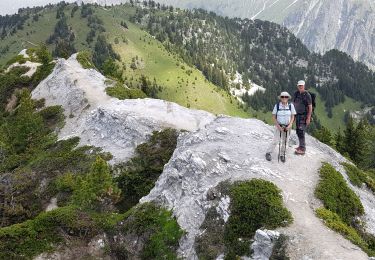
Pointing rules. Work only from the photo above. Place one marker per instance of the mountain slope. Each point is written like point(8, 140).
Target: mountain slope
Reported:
point(196, 58)
point(218, 149)
point(321, 25)
point(231, 149)
point(180, 82)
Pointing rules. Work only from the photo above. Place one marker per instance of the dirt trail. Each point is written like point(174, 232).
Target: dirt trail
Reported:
point(310, 238)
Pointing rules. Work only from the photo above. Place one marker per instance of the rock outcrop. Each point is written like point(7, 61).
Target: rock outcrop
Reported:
point(99, 120)
point(231, 149)
point(212, 150)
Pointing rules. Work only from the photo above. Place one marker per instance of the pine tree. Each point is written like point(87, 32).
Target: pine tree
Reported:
point(97, 188)
point(339, 142)
point(361, 144)
point(324, 135)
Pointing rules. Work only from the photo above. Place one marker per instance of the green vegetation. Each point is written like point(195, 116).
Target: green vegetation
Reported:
point(334, 222)
point(85, 59)
point(95, 190)
point(337, 196)
point(342, 207)
point(359, 177)
point(122, 92)
point(357, 143)
point(254, 204)
point(144, 56)
point(279, 249)
point(50, 229)
point(157, 230)
point(138, 176)
point(62, 36)
point(210, 244)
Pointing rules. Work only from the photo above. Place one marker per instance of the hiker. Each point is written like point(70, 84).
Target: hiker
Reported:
point(283, 115)
point(304, 106)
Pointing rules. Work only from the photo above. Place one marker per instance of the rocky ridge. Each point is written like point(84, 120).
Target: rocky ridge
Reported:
point(212, 150)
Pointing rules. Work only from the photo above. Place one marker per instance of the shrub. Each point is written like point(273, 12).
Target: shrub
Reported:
point(35, 236)
point(210, 243)
point(41, 73)
point(138, 177)
point(254, 204)
point(156, 229)
point(337, 196)
point(19, 58)
point(85, 59)
point(94, 190)
point(333, 221)
point(358, 177)
point(279, 249)
point(122, 92)
point(53, 116)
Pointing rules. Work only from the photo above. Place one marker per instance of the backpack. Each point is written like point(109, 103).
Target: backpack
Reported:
point(313, 98)
point(278, 108)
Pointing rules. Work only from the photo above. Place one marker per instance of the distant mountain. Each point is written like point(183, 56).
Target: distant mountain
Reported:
point(228, 59)
point(321, 25)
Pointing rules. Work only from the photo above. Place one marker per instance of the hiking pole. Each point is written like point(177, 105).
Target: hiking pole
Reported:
point(286, 138)
point(278, 156)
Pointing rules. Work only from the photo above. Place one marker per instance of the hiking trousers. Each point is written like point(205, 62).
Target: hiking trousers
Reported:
point(276, 139)
point(301, 129)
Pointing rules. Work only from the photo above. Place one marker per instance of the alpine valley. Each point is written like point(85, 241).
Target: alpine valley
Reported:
point(138, 131)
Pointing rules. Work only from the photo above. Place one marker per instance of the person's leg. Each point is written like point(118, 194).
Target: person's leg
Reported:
point(283, 142)
point(275, 141)
point(301, 127)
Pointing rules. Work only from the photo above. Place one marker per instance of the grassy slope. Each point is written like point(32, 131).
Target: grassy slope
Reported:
point(337, 121)
point(158, 63)
point(40, 30)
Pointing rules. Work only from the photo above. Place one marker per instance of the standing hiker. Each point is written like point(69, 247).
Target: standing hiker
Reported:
point(283, 115)
point(304, 106)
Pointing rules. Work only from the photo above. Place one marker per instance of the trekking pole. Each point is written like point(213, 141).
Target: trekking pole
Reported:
point(278, 156)
point(286, 138)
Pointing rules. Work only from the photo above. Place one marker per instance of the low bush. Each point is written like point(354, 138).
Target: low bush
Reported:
point(254, 204)
point(25, 240)
point(279, 249)
point(95, 190)
point(358, 177)
point(53, 116)
point(122, 92)
point(138, 176)
point(50, 229)
point(85, 59)
point(333, 221)
point(342, 206)
point(19, 58)
point(209, 244)
point(155, 230)
point(337, 196)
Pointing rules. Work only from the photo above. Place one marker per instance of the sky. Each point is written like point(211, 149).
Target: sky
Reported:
point(12, 6)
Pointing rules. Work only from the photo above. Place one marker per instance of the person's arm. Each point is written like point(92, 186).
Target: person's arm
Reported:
point(309, 112)
point(291, 122)
point(276, 123)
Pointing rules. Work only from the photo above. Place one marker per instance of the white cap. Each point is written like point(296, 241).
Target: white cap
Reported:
point(284, 94)
point(301, 82)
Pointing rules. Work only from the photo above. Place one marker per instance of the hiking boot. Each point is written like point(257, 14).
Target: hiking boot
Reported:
point(282, 158)
point(300, 151)
point(268, 157)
